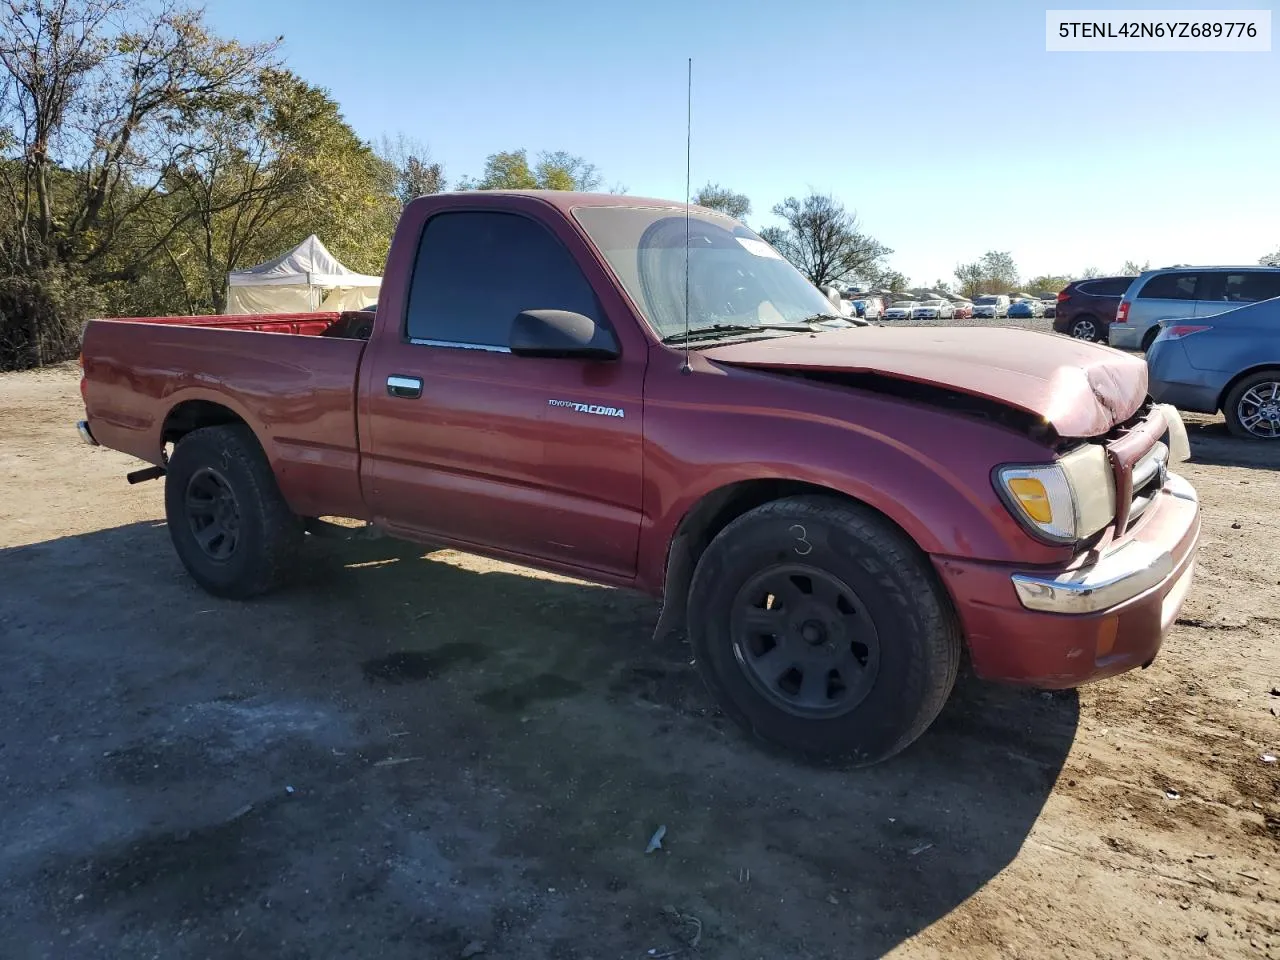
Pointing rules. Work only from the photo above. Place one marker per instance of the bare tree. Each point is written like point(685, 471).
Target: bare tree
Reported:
point(994, 272)
point(102, 94)
point(413, 172)
point(823, 240)
point(736, 205)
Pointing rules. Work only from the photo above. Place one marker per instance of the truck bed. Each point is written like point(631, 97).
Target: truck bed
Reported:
point(290, 377)
point(318, 324)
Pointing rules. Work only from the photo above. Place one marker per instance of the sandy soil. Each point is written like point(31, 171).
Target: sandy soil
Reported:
point(428, 755)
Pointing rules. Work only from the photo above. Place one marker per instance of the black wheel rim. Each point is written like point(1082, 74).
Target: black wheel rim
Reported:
point(213, 513)
point(805, 640)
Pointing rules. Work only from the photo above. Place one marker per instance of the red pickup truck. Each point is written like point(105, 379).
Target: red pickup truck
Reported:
point(646, 395)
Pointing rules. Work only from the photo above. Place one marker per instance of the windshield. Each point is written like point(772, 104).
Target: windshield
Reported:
point(906, 304)
point(735, 278)
point(986, 301)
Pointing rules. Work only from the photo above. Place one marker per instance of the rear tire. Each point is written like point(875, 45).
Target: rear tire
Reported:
point(1086, 327)
point(821, 628)
point(1249, 397)
point(228, 521)
point(1149, 338)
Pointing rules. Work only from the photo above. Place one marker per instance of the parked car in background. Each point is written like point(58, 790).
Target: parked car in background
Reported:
point(1086, 308)
point(995, 306)
point(870, 308)
point(1049, 308)
point(1023, 309)
point(1227, 361)
point(933, 310)
point(964, 310)
point(1181, 293)
point(901, 310)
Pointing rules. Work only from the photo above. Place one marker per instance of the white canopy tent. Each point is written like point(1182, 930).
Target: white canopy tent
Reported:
point(307, 278)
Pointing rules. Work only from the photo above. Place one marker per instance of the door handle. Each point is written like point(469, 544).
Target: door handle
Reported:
point(406, 388)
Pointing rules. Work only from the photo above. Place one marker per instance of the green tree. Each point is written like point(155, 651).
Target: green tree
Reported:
point(824, 240)
point(554, 170)
point(1132, 268)
point(994, 272)
point(1088, 273)
point(283, 165)
point(1047, 283)
point(98, 103)
point(716, 197)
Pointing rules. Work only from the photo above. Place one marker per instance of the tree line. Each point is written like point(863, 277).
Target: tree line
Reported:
point(143, 157)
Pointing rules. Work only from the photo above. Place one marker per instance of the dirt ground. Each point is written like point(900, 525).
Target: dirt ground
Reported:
point(436, 756)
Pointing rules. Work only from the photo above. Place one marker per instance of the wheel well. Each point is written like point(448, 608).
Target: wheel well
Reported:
point(709, 516)
point(194, 414)
point(1231, 384)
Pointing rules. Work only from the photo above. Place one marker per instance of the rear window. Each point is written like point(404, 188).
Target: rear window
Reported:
point(1110, 287)
point(1170, 286)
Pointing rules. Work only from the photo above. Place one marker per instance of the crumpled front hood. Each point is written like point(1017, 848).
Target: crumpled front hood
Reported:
point(1081, 389)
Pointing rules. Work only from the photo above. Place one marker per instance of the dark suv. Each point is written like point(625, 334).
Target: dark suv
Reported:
point(1087, 307)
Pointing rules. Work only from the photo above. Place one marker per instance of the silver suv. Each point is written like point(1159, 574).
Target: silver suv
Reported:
point(1179, 293)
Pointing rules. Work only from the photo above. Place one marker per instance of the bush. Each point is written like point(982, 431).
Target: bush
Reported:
point(42, 316)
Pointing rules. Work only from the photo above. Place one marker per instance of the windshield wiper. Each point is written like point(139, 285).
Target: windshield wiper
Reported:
point(716, 329)
point(828, 317)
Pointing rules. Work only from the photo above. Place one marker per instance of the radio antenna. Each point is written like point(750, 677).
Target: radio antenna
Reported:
point(688, 192)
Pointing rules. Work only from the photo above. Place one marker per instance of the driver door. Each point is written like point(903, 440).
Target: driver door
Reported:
point(474, 445)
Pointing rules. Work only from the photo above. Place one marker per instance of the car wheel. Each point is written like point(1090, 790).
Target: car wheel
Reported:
point(1149, 338)
point(821, 628)
point(1085, 328)
point(1252, 407)
point(227, 519)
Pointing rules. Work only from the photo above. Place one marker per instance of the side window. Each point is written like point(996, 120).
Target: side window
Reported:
point(476, 270)
point(1106, 288)
point(1170, 286)
point(1250, 286)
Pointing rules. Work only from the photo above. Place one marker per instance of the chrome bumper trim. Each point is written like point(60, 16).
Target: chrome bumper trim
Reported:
point(1120, 575)
point(82, 427)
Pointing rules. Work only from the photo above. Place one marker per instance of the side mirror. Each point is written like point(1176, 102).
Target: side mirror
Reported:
point(560, 333)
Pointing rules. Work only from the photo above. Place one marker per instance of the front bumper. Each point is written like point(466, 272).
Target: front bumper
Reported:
point(1088, 621)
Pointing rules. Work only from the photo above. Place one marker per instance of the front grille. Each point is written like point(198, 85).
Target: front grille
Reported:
point(1148, 479)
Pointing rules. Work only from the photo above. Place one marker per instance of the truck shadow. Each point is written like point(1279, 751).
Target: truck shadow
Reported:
point(473, 752)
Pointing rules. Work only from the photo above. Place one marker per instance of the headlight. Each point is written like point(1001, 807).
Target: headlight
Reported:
point(1064, 501)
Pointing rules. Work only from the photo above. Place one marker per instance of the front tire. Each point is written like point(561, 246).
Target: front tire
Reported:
point(1252, 407)
point(227, 519)
point(821, 628)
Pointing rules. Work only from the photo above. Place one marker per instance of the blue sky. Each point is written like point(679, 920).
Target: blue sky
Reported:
point(947, 127)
